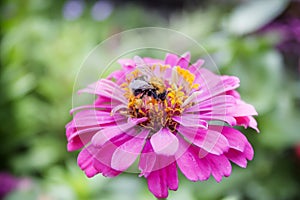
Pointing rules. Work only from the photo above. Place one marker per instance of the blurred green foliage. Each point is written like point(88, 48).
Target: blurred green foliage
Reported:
point(41, 52)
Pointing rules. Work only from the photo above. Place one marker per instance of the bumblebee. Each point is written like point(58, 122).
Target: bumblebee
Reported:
point(154, 88)
point(148, 84)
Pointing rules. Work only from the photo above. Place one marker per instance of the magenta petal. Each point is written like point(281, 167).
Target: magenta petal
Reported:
point(75, 144)
point(184, 60)
point(147, 160)
point(157, 184)
point(235, 138)
point(103, 156)
point(85, 162)
point(237, 157)
point(108, 133)
point(161, 180)
point(247, 121)
point(171, 59)
point(172, 176)
point(191, 120)
point(215, 142)
point(77, 138)
point(105, 169)
point(164, 142)
point(215, 85)
point(127, 153)
point(191, 166)
point(240, 158)
point(242, 109)
point(107, 89)
point(87, 118)
point(220, 166)
point(209, 140)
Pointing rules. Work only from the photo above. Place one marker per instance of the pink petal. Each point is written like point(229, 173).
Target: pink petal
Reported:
point(85, 162)
point(103, 155)
point(242, 109)
point(119, 76)
point(240, 158)
point(235, 138)
point(164, 142)
point(96, 118)
point(161, 180)
point(190, 120)
point(210, 140)
point(237, 157)
point(108, 133)
point(184, 60)
point(247, 121)
point(220, 103)
point(191, 166)
point(147, 160)
point(77, 138)
point(74, 144)
point(214, 85)
point(127, 153)
point(220, 166)
point(171, 59)
point(107, 89)
point(215, 115)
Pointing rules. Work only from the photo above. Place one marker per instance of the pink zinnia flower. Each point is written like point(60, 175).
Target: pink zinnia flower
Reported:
point(168, 114)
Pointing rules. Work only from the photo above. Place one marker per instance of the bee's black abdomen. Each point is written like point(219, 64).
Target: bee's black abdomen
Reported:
point(162, 96)
point(137, 92)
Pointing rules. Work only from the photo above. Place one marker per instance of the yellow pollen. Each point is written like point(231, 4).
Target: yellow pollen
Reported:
point(187, 76)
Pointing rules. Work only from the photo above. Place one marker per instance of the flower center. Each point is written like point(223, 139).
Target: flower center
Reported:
point(154, 92)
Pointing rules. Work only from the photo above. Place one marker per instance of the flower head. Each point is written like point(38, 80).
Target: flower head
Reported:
point(168, 114)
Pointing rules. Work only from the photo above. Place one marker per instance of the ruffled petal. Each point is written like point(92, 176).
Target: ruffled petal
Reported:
point(190, 120)
point(106, 89)
point(242, 109)
point(106, 134)
point(164, 142)
point(96, 118)
point(150, 161)
point(220, 166)
point(161, 180)
point(212, 141)
point(247, 121)
point(127, 153)
point(85, 161)
point(77, 138)
point(237, 157)
point(213, 85)
point(191, 166)
point(103, 156)
point(235, 138)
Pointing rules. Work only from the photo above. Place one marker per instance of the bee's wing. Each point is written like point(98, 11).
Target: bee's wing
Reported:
point(142, 66)
point(139, 84)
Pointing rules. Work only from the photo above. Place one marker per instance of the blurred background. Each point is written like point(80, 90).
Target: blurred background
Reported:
point(43, 44)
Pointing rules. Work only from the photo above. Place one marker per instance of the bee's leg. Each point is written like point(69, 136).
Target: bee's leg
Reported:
point(153, 93)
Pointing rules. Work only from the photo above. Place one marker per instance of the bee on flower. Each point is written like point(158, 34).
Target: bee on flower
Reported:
point(167, 114)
